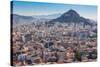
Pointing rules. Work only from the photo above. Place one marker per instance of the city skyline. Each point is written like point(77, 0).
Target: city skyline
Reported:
point(68, 38)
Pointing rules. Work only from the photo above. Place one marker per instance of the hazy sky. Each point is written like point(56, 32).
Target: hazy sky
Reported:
point(38, 8)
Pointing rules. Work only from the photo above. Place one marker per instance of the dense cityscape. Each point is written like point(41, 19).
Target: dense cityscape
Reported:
point(54, 42)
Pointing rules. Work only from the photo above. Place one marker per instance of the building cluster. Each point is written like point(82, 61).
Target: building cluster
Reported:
point(61, 43)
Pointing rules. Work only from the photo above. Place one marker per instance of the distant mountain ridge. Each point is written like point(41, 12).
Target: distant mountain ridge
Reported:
point(50, 16)
point(70, 16)
point(19, 19)
point(21, 16)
